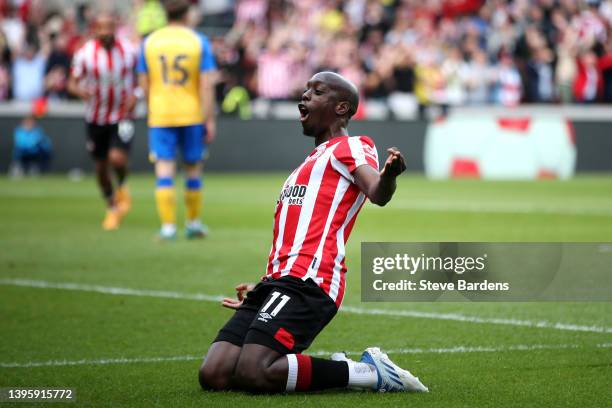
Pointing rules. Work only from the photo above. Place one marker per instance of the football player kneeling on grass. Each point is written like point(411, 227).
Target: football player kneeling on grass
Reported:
point(260, 347)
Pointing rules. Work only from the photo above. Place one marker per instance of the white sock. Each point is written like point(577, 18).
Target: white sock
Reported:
point(168, 229)
point(362, 375)
point(194, 224)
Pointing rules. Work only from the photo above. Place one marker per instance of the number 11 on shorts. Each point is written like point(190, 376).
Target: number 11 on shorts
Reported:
point(274, 296)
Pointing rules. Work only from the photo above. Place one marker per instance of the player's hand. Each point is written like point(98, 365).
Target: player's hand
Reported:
point(130, 104)
point(241, 290)
point(395, 164)
point(211, 131)
point(84, 94)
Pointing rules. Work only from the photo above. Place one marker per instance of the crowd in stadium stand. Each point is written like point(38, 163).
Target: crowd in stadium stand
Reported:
point(37, 43)
point(400, 52)
point(442, 52)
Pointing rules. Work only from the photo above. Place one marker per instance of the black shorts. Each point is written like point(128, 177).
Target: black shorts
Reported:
point(284, 314)
point(102, 138)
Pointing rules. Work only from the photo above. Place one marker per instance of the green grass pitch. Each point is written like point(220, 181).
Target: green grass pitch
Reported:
point(127, 350)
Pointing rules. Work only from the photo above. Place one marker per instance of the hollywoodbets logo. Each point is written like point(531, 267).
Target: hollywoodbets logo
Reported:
point(293, 194)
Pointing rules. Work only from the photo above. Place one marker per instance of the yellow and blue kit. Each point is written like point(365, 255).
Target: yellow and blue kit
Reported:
point(173, 58)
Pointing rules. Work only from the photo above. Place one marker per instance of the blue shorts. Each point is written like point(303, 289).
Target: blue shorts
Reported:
point(163, 143)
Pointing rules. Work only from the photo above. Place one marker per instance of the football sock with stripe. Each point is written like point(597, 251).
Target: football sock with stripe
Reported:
point(165, 197)
point(193, 198)
point(362, 375)
point(311, 374)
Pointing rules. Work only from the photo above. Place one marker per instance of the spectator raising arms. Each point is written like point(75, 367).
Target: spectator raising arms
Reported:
point(28, 74)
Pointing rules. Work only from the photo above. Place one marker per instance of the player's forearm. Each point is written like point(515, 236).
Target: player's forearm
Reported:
point(207, 96)
point(381, 192)
point(74, 88)
point(208, 110)
point(208, 104)
point(143, 84)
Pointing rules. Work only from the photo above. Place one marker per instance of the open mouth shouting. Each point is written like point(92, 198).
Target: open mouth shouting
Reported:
point(304, 112)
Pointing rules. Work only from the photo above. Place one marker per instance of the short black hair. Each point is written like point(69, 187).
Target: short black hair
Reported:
point(176, 9)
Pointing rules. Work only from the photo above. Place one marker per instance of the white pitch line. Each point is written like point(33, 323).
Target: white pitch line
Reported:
point(486, 349)
point(450, 350)
point(109, 290)
point(105, 361)
point(540, 324)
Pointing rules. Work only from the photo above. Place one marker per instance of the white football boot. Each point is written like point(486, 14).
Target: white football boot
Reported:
point(391, 378)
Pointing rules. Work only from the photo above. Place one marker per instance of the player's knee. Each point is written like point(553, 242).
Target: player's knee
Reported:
point(117, 158)
point(256, 375)
point(192, 170)
point(214, 377)
point(250, 375)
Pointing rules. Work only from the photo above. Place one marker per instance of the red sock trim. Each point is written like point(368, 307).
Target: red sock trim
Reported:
point(304, 377)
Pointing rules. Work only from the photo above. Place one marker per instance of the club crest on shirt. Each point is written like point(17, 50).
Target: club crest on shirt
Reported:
point(293, 194)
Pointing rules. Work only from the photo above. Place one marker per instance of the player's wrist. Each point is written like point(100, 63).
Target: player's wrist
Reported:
point(387, 175)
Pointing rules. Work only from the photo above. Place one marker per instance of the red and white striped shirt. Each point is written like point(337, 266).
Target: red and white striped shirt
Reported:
point(109, 76)
point(316, 211)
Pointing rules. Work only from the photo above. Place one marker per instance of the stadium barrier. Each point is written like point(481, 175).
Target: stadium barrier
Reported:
point(277, 144)
point(483, 146)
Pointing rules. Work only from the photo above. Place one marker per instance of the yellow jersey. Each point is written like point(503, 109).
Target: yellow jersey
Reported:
point(173, 58)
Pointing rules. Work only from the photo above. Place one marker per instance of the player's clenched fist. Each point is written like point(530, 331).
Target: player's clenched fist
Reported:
point(395, 164)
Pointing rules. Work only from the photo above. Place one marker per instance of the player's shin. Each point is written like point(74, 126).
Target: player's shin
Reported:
point(121, 173)
point(165, 196)
point(193, 199)
point(307, 373)
point(111, 219)
point(108, 194)
point(104, 182)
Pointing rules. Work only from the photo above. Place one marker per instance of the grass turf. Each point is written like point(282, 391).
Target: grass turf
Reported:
point(50, 231)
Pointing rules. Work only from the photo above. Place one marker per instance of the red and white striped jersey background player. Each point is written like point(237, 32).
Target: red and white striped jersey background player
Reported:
point(109, 75)
point(316, 212)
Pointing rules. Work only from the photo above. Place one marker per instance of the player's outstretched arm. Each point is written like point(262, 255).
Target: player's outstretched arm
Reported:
point(241, 290)
point(379, 187)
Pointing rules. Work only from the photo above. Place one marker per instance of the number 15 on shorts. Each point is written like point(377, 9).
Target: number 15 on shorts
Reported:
point(264, 316)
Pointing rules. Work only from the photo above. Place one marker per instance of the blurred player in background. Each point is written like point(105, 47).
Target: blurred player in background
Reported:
point(260, 347)
point(102, 76)
point(175, 70)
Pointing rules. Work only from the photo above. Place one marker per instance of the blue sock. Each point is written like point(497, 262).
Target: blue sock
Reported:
point(164, 182)
point(193, 184)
